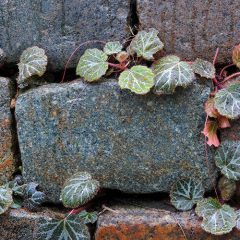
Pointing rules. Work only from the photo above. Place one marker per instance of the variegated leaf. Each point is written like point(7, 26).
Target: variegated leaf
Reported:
point(204, 68)
point(227, 158)
point(217, 219)
point(139, 79)
point(112, 48)
point(145, 44)
point(79, 189)
point(186, 193)
point(33, 61)
point(170, 73)
point(92, 65)
point(68, 228)
point(238, 219)
point(88, 217)
point(227, 101)
point(5, 199)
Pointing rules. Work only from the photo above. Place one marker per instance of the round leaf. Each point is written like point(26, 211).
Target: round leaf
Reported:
point(228, 159)
point(92, 65)
point(138, 79)
point(112, 48)
point(227, 101)
point(186, 193)
point(71, 227)
point(5, 199)
point(33, 61)
point(204, 68)
point(236, 55)
point(170, 73)
point(217, 219)
point(227, 188)
point(79, 189)
point(145, 44)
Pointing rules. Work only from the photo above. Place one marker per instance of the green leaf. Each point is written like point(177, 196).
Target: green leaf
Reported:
point(217, 219)
point(68, 228)
point(92, 65)
point(79, 189)
point(112, 48)
point(227, 158)
point(227, 101)
point(170, 73)
point(17, 203)
point(138, 79)
point(33, 61)
point(5, 199)
point(238, 219)
point(186, 193)
point(227, 188)
point(145, 44)
point(204, 68)
point(88, 217)
point(236, 55)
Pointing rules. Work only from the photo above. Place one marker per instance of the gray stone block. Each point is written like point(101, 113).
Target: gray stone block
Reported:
point(59, 26)
point(137, 144)
point(7, 137)
point(194, 29)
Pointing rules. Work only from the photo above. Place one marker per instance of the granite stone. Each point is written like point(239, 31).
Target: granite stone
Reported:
point(136, 144)
point(194, 29)
point(59, 26)
point(7, 136)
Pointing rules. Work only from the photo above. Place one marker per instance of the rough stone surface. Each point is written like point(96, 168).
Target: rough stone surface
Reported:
point(59, 26)
point(232, 133)
point(133, 143)
point(131, 223)
point(19, 224)
point(7, 162)
point(194, 29)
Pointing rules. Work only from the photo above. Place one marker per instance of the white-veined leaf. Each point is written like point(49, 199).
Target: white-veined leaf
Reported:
point(33, 61)
point(92, 65)
point(170, 73)
point(70, 228)
point(186, 193)
point(204, 68)
point(217, 219)
point(238, 219)
point(88, 217)
point(112, 48)
point(145, 44)
point(79, 189)
point(227, 101)
point(139, 79)
point(227, 158)
point(5, 199)
point(227, 188)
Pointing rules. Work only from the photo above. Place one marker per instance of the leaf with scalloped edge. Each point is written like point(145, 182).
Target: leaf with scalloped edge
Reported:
point(112, 48)
point(139, 79)
point(6, 199)
point(217, 219)
point(68, 228)
point(186, 193)
point(227, 101)
point(227, 188)
point(33, 61)
point(92, 65)
point(170, 73)
point(79, 189)
point(88, 217)
point(236, 55)
point(204, 68)
point(227, 158)
point(145, 44)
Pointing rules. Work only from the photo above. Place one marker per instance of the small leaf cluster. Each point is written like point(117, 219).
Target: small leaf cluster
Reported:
point(140, 71)
point(218, 218)
point(15, 194)
point(77, 191)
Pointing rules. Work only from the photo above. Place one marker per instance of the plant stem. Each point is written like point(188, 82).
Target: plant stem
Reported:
point(75, 50)
point(117, 65)
point(215, 57)
point(230, 77)
point(221, 73)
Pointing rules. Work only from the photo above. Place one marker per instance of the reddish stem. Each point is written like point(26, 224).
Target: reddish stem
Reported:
point(215, 57)
point(221, 73)
point(75, 50)
point(230, 77)
point(117, 65)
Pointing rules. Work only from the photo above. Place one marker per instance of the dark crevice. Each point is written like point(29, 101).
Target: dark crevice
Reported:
point(133, 20)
